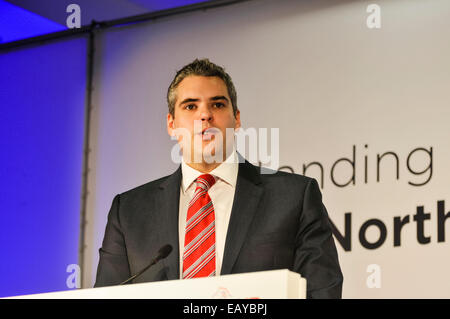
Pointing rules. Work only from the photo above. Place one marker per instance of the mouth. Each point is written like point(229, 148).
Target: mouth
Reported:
point(208, 133)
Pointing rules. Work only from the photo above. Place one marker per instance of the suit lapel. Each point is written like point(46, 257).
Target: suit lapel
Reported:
point(246, 199)
point(169, 202)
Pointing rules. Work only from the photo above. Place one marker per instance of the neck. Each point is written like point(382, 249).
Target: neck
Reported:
point(203, 167)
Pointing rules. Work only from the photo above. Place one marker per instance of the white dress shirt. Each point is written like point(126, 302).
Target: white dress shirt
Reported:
point(221, 194)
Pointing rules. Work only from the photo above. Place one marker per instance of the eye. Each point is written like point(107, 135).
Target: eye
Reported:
point(219, 105)
point(190, 107)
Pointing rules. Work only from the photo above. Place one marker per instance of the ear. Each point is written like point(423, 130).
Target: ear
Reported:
point(170, 124)
point(238, 120)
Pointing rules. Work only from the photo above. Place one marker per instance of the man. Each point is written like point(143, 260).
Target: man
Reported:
point(217, 211)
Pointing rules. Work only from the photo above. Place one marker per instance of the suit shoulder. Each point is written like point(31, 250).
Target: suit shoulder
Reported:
point(284, 177)
point(145, 188)
point(287, 187)
point(277, 178)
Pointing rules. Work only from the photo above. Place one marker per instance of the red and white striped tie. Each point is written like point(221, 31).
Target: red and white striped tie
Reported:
point(199, 258)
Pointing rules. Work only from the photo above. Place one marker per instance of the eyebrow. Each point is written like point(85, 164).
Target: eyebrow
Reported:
point(218, 97)
point(188, 100)
point(214, 98)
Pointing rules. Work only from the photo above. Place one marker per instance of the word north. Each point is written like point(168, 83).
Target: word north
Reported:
point(421, 218)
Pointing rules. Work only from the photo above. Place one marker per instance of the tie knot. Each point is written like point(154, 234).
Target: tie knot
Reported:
point(205, 181)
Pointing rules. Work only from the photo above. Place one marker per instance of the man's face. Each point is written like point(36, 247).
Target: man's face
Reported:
point(202, 103)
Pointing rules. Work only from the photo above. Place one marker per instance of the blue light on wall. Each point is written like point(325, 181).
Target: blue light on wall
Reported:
point(17, 23)
point(42, 104)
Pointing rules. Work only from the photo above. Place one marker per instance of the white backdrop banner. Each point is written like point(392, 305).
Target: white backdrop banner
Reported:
point(359, 94)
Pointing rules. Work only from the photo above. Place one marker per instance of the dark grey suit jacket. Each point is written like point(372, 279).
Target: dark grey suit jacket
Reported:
point(277, 221)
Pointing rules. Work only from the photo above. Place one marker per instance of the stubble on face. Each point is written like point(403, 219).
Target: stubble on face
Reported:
point(203, 119)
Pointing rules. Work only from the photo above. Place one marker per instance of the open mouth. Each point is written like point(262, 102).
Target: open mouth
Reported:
point(208, 133)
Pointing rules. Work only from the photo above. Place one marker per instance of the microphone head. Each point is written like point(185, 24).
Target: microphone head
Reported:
point(164, 251)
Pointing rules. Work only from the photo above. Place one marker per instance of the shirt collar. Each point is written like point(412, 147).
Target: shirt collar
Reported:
point(226, 171)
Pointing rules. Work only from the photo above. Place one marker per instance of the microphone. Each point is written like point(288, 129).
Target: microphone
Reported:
point(163, 252)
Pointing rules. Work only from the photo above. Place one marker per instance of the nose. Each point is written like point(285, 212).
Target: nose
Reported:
point(206, 114)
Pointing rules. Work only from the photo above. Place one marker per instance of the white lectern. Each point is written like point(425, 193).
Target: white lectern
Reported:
point(273, 284)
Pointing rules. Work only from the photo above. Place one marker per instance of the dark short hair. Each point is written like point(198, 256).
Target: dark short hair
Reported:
point(202, 67)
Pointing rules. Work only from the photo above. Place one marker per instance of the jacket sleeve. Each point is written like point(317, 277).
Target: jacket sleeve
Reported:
point(113, 267)
point(316, 257)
